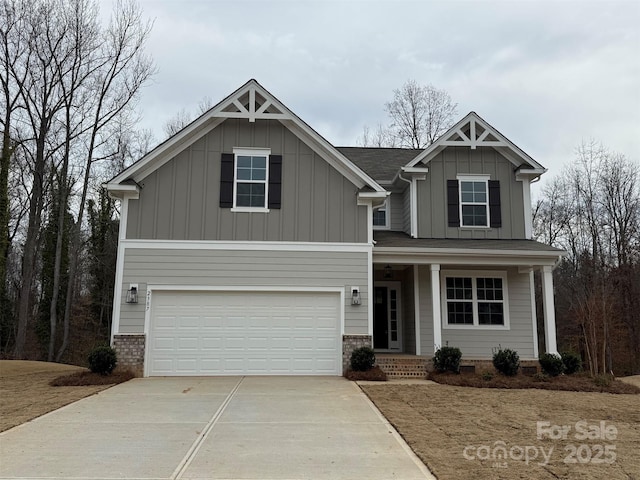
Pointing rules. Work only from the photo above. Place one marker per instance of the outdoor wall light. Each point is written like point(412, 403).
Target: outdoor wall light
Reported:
point(355, 296)
point(132, 293)
point(388, 272)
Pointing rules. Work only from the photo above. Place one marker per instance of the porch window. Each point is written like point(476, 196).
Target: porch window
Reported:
point(476, 299)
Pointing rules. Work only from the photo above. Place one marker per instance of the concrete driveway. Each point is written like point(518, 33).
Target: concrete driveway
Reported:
point(213, 428)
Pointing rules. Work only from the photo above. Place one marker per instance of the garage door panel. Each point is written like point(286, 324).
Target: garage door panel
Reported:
point(217, 333)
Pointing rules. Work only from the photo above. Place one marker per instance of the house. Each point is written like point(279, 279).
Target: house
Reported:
point(249, 244)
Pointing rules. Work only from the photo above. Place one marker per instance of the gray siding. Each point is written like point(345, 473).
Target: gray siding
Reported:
point(477, 343)
point(243, 268)
point(396, 211)
point(406, 211)
point(408, 313)
point(179, 201)
point(452, 161)
point(426, 310)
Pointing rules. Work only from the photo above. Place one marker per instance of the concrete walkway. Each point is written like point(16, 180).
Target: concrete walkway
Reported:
point(213, 428)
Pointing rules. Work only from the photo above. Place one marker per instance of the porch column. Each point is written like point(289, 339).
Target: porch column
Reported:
point(435, 304)
point(549, 310)
point(416, 307)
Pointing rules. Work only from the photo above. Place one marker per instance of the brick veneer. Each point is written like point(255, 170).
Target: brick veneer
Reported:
point(402, 366)
point(349, 344)
point(130, 351)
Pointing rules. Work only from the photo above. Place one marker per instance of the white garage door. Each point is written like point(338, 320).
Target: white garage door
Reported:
point(245, 333)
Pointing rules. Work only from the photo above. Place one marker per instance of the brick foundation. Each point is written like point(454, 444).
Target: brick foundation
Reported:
point(349, 344)
point(130, 351)
point(403, 366)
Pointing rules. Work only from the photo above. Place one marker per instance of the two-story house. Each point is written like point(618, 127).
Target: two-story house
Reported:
point(250, 245)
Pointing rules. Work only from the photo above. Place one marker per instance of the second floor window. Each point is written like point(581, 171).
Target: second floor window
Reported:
point(380, 217)
point(474, 202)
point(251, 174)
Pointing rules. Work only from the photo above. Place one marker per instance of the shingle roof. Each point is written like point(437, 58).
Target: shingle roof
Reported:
point(381, 164)
point(386, 239)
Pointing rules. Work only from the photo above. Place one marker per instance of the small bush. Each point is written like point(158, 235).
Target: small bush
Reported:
point(572, 362)
point(602, 380)
point(551, 364)
point(447, 359)
point(540, 377)
point(102, 360)
point(506, 361)
point(487, 376)
point(362, 359)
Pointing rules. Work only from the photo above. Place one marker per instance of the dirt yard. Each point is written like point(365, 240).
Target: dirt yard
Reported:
point(458, 432)
point(25, 392)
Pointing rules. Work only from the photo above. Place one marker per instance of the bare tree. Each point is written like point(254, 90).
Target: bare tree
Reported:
point(420, 114)
point(380, 137)
point(183, 117)
point(592, 209)
point(123, 69)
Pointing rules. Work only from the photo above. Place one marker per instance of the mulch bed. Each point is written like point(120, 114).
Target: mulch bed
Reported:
point(373, 375)
point(573, 383)
point(85, 378)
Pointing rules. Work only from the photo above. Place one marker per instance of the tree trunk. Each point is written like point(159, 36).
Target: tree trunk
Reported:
point(36, 204)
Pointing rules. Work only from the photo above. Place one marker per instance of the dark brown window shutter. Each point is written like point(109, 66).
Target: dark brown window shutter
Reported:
point(275, 181)
point(226, 180)
point(453, 206)
point(495, 212)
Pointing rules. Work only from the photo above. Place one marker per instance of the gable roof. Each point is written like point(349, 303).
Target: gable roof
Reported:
point(252, 102)
point(380, 163)
point(473, 131)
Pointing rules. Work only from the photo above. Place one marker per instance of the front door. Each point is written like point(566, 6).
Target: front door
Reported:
point(386, 316)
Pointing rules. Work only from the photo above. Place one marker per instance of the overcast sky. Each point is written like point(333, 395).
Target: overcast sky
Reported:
point(546, 74)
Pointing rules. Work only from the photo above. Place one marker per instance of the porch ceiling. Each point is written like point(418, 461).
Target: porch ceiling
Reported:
point(398, 247)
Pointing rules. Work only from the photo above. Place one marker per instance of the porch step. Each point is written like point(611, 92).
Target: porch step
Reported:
point(402, 366)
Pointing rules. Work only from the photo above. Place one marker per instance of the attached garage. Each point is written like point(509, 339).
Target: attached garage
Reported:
point(244, 333)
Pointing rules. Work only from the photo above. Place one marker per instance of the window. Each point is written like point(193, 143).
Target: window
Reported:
point(477, 299)
point(251, 181)
point(381, 218)
point(474, 202)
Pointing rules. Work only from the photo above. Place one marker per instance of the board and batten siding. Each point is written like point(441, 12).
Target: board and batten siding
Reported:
point(477, 343)
point(180, 200)
point(242, 268)
point(453, 161)
point(396, 211)
point(406, 211)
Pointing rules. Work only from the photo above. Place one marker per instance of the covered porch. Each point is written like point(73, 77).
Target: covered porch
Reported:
point(477, 295)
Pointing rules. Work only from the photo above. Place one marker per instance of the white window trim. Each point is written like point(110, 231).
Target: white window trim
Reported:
point(252, 152)
point(386, 207)
point(474, 274)
point(473, 178)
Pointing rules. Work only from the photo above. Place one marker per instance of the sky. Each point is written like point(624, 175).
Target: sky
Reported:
point(546, 74)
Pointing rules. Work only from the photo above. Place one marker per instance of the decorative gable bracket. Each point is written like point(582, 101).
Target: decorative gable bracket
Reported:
point(471, 134)
point(252, 105)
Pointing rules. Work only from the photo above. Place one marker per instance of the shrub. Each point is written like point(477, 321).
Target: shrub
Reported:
point(506, 361)
point(551, 364)
point(487, 376)
point(447, 359)
point(540, 377)
point(362, 359)
point(602, 380)
point(572, 362)
point(102, 360)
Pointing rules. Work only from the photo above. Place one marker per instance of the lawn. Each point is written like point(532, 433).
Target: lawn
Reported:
point(25, 392)
point(457, 431)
